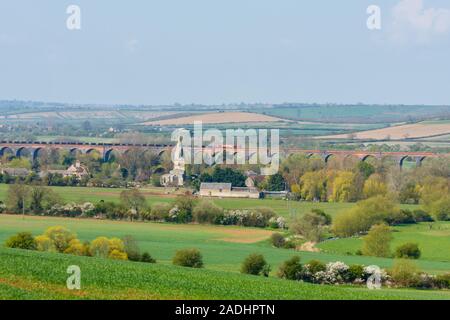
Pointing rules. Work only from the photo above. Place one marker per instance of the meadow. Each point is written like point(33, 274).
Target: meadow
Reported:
point(223, 247)
point(281, 207)
point(33, 275)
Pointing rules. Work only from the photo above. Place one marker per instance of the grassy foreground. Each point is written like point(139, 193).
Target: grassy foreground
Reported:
point(33, 275)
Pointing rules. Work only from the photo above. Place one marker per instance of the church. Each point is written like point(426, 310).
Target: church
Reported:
point(175, 178)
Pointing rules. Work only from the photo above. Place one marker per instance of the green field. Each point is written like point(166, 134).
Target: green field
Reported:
point(281, 207)
point(433, 240)
point(32, 275)
point(223, 248)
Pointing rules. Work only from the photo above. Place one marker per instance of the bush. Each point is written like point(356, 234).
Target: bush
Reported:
point(421, 216)
point(255, 264)
point(405, 273)
point(207, 212)
point(146, 257)
point(377, 242)
point(160, 211)
point(277, 240)
point(60, 237)
point(99, 247)
point(185, 206)
point(291, 269)
point(440, 209)
point(75, 248)
point(44, 243)
point(191, 258)
point(310, 226)
point(355, 271)
point(408, 251)
point(442, 281)
point(315, 266)
point(22, 240)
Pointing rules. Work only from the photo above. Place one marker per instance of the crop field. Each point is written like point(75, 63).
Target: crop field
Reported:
point(355, 113)
point(416, 130)
point(32, 275)
point(217, 118)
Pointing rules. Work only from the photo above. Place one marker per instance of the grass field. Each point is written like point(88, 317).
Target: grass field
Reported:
point(223, 248)
point(433, 240)
point(32, 275)
point(281, 207)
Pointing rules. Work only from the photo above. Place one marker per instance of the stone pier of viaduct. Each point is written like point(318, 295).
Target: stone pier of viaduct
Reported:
point(33, 149)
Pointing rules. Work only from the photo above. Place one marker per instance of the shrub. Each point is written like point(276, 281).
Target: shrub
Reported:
point(60, 237)
point(405, 273)
point(442, 281)
point(22, 240)
point(355, 272)
point(315, 266)
point(99, 247)
point(44, 243)
point(160, 211)
point(75, 248)
point(191, 258)
point(185, 206)
point(207, 212)
point(277, 240)
point(377, 241)
point(117, 255)
point(440, 209)
point(146, 257)
point(408, 251)
point(255, 264)
point(310, 226)
point(291, 269)
point(421, 216)
point(2, 207)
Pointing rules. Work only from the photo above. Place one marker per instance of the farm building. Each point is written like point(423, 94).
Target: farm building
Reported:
point(15, 172)
point(225, 190)
point(75, 170)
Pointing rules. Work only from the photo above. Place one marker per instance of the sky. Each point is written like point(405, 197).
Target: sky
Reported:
point(225, 51)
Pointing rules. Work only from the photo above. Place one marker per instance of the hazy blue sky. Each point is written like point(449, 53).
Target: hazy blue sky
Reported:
point(224, 51)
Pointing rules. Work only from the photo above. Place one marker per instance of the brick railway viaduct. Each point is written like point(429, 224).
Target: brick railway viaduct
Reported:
point(32, 149)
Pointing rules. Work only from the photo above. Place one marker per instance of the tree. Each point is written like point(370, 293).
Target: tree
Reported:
point(375, 186)
point(377, 242)
point(310, 226)
point(313, 186)
point(366, 169)
point(275, 183)
point(42, 198)
point(364, 215)
point(60, 237)
point(17, 197)
point(343, 187)
point(133, 199)
point(255, 264)
point(405, 273)
point(131, 248)
point(185, 205)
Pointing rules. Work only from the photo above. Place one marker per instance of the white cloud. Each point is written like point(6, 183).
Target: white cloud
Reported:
point(411, 21)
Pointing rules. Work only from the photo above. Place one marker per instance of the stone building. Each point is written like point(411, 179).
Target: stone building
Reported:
point(225, 190)
point(175, 178)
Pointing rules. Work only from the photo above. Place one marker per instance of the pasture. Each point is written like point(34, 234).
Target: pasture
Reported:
point(281, 207)
point(223, 248)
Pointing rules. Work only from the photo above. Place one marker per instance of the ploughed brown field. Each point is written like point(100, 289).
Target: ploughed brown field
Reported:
point(216, 118)
point(416, 130)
